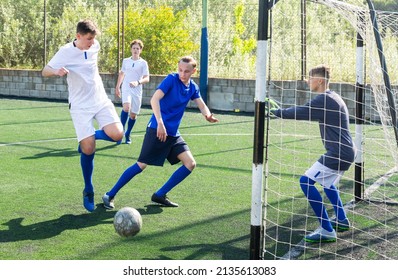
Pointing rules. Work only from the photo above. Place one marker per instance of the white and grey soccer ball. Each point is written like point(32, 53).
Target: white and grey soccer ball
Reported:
point(127, 222)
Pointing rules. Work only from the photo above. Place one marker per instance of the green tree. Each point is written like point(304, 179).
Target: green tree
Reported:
point(164, 35)
point(242, 46)
point(21, 33)
point(63, 29)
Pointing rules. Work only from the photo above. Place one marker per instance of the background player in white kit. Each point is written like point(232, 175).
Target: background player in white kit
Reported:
point(133, 74)
point(87, 99)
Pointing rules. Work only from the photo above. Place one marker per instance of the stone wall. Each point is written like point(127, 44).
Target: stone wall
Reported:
point(223, 94)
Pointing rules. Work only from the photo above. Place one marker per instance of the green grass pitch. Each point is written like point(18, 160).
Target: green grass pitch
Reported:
point(42, 216)
point(42, 212)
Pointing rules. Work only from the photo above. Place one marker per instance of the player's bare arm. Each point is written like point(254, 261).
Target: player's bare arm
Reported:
point(205, 110)
point(50, 72)
point(119, 83)
point(161, 130)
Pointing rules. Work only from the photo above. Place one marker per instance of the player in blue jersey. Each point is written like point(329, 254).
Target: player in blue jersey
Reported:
point(133, 74)
point(329, 109)
point(87, 99)
point(162, 138)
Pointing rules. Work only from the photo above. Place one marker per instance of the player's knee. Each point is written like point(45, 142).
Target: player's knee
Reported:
point(119, 136)
point(87, 149)
point(142, 166)
point(117, 133)
point(190, 165)
point(126, 108)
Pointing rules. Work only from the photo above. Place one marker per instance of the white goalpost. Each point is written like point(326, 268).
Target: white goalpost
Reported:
point(360, 45)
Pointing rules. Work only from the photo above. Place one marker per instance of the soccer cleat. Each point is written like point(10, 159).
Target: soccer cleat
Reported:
point(321, 235)
point(340, 225)
point(108, 201)
point(128, 139)
point(88, 201)
point(163, 200)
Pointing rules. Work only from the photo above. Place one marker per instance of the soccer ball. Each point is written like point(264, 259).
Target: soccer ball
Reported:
point(127, 222)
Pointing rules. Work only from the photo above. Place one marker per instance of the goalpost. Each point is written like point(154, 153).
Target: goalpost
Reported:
point(284, 149)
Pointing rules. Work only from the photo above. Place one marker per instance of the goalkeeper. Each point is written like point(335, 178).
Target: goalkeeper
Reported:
point(329, 109)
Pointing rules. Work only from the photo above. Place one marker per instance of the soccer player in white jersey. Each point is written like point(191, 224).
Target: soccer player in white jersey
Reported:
point(133, 74)
point(87, 99)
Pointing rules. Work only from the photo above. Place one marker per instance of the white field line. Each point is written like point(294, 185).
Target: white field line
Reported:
point(379, 182)
point(183, 134)
point(133, 135)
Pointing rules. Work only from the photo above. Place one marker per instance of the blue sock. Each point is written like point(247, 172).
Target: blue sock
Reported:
point(101, 135)
point(315, 200)
point(123, 117)
point(127, 175)
point(87, 164)
point(130, 126)
point(177, 177)
point(333, 194)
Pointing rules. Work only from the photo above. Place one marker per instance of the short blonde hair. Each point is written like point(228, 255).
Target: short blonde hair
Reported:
point(188, 59)
point(137, 41)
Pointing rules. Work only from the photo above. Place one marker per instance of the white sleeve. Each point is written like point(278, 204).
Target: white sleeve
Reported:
point(124, 66)
point(59, 60)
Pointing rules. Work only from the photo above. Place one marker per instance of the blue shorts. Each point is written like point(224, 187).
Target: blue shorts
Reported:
point(155, 152)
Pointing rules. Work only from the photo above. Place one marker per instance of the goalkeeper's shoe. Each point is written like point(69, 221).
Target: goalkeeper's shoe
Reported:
point(321, 235)
point(88, 201)
point(340, 225)
point(109, 202)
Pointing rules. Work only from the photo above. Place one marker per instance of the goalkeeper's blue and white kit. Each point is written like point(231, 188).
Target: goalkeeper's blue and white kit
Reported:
point(331, 112)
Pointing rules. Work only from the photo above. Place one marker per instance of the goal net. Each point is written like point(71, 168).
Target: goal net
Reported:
point(332, 34)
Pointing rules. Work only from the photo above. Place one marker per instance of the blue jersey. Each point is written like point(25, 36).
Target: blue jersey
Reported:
point(331, 112)
point(173, 104)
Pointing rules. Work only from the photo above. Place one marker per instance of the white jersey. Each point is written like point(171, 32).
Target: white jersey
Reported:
point(85, 86)
point(133, 70)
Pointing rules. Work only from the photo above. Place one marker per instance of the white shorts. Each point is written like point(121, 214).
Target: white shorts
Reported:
point(134, 98)
point(324, 175)
point(83, 119)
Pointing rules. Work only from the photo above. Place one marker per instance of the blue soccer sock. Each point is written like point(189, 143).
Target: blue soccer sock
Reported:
point(127, 175)
point(178, 176)
point(333, 194)
point(87, 164)
point(315, 200)
point(130, 126)
point(123, 117)
point(101, 135)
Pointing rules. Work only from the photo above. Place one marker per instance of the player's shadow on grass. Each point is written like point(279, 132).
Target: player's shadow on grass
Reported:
point(47, 229)
point(64, 153)
point(227, 249)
